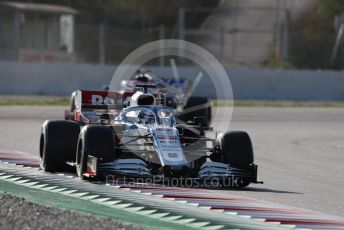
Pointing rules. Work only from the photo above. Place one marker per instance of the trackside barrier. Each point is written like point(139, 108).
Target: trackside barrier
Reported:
point(247, 84)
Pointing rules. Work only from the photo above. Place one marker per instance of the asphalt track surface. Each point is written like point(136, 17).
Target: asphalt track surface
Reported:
point(300, 151)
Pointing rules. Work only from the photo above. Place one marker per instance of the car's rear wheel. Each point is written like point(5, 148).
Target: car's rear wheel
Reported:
point(236, 150)
point(97, 141)
point(200, 107)
point(58, 143)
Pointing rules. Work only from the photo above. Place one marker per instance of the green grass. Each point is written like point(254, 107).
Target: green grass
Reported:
point(43, 101)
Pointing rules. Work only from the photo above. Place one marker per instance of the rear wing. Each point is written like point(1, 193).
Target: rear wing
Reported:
point(92, 106)
point(184, 84)
point(86, 99)
point(108, 100)
point(161, 84)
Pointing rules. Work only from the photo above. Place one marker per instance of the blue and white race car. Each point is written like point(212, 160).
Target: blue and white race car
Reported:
point(142, 140)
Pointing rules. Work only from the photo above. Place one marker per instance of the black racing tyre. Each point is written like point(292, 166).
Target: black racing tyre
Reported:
point(97, 141)
point(203, 111)
point(58, 143)
point(209, 114)
point(236, 149)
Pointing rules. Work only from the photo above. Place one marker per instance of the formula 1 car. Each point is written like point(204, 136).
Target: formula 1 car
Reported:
point(174, 89)
point(142, 140)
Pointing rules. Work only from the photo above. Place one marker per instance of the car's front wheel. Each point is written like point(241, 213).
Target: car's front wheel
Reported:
point(58, 143)
point(235, 149)
point(97, 141)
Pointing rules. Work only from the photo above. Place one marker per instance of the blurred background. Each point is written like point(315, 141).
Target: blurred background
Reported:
point(269, 47)
point(277, 53)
